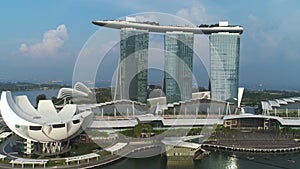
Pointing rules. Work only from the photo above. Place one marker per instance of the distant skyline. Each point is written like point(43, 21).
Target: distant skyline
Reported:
point(40, 40)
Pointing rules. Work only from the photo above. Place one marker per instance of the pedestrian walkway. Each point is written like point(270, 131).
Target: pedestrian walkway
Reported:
point(82, 157)
point(115, 148)
point(33, 162)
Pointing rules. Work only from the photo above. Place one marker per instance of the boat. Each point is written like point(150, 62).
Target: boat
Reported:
point(250, 158)
point(201, 154)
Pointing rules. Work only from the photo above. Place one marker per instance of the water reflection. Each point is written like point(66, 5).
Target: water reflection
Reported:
point(34, 93)
point(180, 164)
point(232, 163)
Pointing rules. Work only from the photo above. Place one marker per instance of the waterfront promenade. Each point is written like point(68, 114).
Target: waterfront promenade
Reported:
point(127, 151)
point(253, 141)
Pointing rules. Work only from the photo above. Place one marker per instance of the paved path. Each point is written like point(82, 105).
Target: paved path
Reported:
point(126, 151)
point(3, 151)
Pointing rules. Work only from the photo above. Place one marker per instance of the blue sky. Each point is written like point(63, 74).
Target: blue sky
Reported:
point(41, 40)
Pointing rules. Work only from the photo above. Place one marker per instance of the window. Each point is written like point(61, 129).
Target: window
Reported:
point(35, 128)
point(76, 121)
point(58, 125)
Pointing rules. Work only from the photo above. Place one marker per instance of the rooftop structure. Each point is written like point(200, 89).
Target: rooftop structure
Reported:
point(155, 27)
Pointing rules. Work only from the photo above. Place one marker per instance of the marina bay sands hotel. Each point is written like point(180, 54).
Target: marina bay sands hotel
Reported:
point(178, 69)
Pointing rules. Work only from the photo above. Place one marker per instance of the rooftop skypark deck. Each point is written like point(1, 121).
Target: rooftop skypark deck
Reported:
point(155, 27)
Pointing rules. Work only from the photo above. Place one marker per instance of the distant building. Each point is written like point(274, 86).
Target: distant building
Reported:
point(224, 66)
point(253, 122)
point(79, 94)
point(132, 72)
point(178, 66)
point(284, 107)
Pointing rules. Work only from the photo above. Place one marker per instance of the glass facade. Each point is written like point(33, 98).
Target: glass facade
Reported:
point(224, 66)
point(133, 65)
point(178, 66)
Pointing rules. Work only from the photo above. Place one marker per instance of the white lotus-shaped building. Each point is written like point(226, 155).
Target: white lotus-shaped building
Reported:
point(43, 124)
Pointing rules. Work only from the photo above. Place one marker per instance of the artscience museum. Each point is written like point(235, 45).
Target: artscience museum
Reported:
point(45, 130)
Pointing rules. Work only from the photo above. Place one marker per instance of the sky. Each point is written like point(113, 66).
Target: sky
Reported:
point(41, 40)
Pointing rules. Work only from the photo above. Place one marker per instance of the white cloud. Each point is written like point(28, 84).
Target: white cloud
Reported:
point(52, 41)
point(264, 38)
point(197, 14)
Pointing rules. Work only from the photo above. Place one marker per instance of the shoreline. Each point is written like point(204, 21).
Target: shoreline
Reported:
point(218, 148)
point(213, 146)
point(253, 150)
point(120, 157)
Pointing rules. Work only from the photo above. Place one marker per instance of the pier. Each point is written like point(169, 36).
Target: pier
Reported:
point(177, 148)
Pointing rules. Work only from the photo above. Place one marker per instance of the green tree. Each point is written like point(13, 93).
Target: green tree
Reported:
point(142, 128)
point(147, 128)
point(137, 130)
